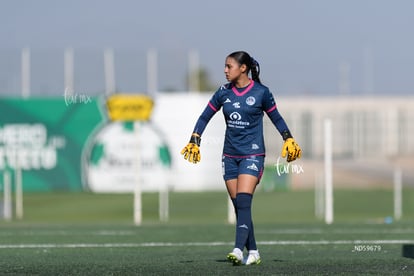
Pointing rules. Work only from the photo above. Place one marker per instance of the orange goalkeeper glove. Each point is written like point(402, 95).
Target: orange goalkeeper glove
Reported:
point(191, 152)
point(291, 149)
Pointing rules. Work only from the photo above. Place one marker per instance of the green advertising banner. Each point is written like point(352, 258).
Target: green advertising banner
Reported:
point(45, 138)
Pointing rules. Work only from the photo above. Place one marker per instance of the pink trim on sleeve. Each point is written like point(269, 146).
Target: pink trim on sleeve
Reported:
point(212, 107)
point(271, 109)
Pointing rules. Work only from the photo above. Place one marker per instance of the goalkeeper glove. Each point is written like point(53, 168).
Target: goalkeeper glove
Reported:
point(191, 152)
point(291, 149)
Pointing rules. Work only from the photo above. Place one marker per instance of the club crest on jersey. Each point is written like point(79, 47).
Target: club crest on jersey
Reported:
point(250, 100)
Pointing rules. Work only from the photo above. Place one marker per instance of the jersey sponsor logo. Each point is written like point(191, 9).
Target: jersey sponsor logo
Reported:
point(227, 100)
point(253, 167)
point(236, 105)
point(250, 100)
point(235, 121)
point(255, 146)
point(235, 116)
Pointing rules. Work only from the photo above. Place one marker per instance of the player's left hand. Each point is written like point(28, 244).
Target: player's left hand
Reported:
point(291, 149)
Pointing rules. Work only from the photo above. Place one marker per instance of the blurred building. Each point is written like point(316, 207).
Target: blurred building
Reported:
point(371, 137)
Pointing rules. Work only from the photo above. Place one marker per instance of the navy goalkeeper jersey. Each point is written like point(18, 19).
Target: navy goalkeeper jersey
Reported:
point(243, 111)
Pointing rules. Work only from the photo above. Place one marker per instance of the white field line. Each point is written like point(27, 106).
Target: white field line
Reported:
point(206, 244)
point(315, 231)
point(68, 233)
point(335, 231)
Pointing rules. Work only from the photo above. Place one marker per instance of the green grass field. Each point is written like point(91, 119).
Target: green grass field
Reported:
point(89, 234)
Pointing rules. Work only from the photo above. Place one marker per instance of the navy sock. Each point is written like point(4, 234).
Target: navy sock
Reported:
point(244, 219)
point(234, 205)
point(251, 240)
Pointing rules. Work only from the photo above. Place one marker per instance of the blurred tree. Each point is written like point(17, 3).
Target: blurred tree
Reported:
point(199, 80)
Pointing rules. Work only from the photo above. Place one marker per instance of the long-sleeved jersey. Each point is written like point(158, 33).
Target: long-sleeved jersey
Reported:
point(243, 111)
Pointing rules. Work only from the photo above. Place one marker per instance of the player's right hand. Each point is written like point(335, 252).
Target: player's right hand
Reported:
point(191, 152)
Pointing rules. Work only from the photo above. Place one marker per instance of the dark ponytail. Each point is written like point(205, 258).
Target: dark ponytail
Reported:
point(255, 70)
point(252, 65)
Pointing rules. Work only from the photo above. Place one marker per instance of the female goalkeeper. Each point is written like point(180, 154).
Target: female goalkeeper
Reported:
point(244, 100)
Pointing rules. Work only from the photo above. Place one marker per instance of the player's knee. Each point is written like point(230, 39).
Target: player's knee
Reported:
point(243, 201)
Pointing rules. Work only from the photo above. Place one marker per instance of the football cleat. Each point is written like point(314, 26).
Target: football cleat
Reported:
point(236, 256)
point(253, 257)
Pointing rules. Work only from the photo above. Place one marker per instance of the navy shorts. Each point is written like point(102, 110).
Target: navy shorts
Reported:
point(233, 166)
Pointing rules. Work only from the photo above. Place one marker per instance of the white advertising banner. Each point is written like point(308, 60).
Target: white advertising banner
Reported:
point(122, 154)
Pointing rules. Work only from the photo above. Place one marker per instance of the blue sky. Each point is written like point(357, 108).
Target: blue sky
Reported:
point(300, 44)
